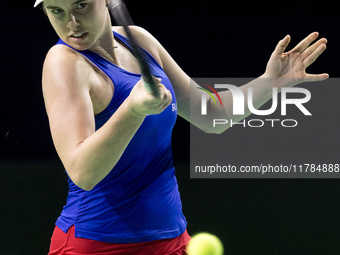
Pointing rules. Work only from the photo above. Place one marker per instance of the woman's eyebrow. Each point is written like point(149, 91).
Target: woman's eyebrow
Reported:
point(54, 7)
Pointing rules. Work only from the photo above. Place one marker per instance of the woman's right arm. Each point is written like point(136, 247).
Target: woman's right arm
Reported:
point(89, 155)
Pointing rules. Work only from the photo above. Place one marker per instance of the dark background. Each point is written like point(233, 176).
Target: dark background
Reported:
point(207, 39)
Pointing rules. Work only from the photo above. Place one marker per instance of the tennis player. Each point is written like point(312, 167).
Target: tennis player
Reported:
point(114, 137)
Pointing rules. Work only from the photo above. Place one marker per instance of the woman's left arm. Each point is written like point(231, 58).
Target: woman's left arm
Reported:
point(284, 69)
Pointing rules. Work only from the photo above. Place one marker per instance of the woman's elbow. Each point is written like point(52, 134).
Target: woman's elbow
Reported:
point(82, 181)
point(80, 175)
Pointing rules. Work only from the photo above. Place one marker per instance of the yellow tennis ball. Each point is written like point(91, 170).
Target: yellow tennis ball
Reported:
point(205, 244)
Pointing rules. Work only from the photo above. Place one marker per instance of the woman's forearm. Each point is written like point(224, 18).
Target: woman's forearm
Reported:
point(261, 89)
point(95, 157)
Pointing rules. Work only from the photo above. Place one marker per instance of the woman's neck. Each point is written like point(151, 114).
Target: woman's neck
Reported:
point(106, 45)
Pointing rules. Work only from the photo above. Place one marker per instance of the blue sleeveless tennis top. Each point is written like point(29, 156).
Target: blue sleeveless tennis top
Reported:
point(138, 200)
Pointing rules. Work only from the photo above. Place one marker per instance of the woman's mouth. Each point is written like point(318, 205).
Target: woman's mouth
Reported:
point(78, 37)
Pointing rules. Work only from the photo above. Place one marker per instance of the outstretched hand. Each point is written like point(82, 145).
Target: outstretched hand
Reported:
point(290, 67)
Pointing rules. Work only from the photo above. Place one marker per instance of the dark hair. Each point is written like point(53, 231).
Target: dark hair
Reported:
point(42, 7)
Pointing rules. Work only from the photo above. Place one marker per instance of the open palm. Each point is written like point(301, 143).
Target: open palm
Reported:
point(290, 67)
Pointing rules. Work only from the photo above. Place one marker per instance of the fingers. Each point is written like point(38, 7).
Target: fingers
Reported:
point(282, 45)
point(165, 94)
point(145, 103)
point(156, 104)
point(313, 47)
point(308, 53)
point(303, 47)
point(165, 97)
point(316, 77)
point(305, 43)
point(157, 80)
point(313, 52)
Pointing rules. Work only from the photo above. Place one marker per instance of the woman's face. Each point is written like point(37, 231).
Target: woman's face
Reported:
point(79, 23)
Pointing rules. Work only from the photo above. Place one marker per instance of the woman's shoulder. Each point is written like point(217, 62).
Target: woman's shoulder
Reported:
point(62, 54)
point(64, 60)
point(64, 67)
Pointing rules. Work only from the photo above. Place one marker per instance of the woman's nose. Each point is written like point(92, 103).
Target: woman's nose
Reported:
point(72, 22)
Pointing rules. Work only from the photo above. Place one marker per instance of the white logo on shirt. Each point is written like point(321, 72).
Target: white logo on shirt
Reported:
point(174, 107)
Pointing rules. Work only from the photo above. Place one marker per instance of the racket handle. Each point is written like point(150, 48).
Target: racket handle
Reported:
point(122, 17)
point(150, 84)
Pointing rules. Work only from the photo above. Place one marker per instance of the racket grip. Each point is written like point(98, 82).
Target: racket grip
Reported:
point(150, 85)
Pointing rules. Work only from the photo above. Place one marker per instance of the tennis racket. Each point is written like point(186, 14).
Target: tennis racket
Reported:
point(122, 17)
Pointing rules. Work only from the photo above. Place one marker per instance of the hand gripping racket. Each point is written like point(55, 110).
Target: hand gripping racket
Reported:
point(122, 17)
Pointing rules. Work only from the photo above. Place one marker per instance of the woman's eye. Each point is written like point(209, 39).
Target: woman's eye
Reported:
point(81, 6)
point(57, 11)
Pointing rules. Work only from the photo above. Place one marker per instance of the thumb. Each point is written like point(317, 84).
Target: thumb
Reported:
point(282, 45)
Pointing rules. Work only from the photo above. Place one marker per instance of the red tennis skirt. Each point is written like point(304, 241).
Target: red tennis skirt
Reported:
point(68, 244)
